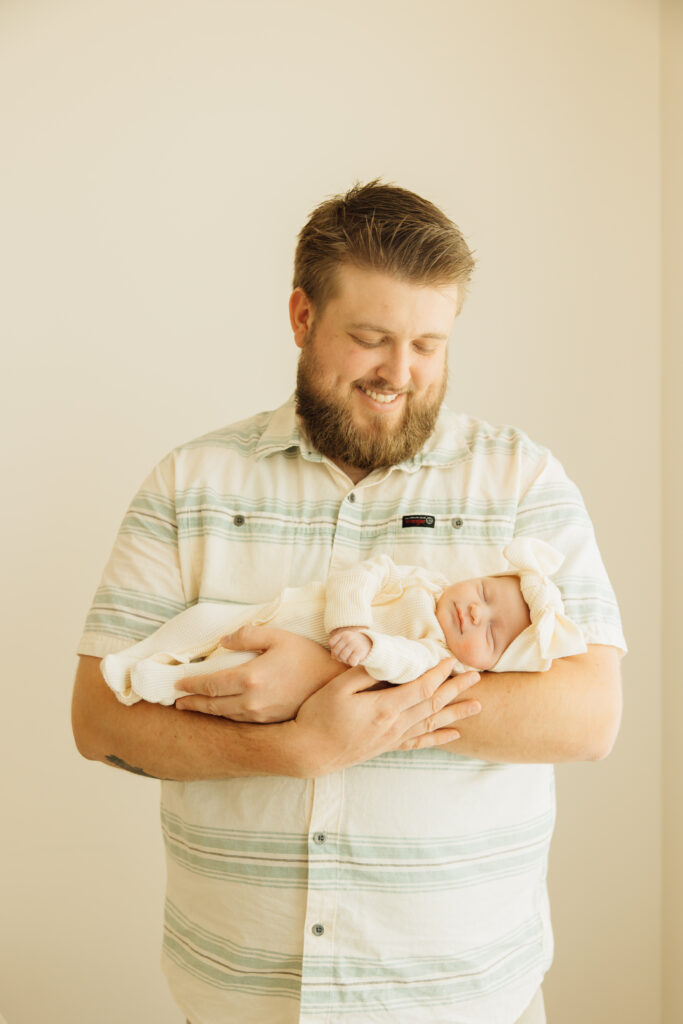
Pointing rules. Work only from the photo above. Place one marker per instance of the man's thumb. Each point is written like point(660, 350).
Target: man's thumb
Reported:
point(248, 638)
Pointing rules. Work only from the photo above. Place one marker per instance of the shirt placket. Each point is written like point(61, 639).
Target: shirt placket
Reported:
point(320, 925)
point(320, 931)
point(346, 544)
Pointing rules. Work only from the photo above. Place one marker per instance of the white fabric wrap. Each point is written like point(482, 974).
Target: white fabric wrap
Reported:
point(551, 634)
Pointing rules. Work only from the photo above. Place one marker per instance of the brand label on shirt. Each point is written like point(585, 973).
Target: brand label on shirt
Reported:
point(418, 521)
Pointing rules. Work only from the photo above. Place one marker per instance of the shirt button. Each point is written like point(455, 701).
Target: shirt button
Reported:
point(457, 523)
point(352, 497)
point(320, 838)
point(238, 520)
point(318, 929)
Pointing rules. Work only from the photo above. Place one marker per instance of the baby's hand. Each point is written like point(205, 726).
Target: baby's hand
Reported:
point(349, 645)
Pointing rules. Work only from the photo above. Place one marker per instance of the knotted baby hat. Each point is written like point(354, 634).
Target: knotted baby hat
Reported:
point(551, 634)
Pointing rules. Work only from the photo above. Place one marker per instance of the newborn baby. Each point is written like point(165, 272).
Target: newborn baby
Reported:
point(397, 621)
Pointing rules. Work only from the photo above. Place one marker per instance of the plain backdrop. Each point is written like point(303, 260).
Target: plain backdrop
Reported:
point(158, 158)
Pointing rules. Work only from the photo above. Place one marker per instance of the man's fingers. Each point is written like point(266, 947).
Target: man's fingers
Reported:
point(207, 705)
point(216, 684)
point(430, 692)
point(453, 713)
point(445, 718)
point(430, 739)
point(219, 707)
point(463, 680)
point(426, 686)
point(443, 706)
point(250, 638)
point(451, 689)
point(353, 681)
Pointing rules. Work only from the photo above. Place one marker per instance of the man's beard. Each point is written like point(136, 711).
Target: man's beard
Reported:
point(330, 427)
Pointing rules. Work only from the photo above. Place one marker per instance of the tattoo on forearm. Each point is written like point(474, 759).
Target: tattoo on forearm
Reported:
point(120, 763)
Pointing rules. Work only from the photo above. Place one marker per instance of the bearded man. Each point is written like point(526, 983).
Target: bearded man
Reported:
point(336, 851)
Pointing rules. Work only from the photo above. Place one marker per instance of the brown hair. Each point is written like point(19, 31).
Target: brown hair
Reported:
point(382, 227)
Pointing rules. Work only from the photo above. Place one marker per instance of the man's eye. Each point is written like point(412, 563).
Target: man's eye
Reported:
point(365, 344)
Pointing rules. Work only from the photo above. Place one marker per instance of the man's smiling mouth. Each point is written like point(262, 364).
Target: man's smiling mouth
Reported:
point(378, 396)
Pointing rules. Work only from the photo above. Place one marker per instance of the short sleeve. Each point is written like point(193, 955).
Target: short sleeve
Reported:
point(141, 586)
point(552, 508)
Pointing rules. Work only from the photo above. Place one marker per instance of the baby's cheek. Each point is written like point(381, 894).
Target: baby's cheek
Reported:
point(472, 652)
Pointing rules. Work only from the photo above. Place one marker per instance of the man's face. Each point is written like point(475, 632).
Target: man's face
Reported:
point(372, 370)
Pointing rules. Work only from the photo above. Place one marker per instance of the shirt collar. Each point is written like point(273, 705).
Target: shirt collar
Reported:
point(446, 445)
point(282, 431)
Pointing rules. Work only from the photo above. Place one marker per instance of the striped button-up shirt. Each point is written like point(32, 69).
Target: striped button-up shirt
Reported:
point(408, 889)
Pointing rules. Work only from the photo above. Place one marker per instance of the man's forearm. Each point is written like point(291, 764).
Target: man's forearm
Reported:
point(569, 713)
point(164, 743)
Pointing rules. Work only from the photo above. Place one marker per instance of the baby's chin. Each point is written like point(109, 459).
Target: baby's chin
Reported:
point(481, 666)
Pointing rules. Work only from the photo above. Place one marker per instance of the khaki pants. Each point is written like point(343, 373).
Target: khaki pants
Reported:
point(534, 1013)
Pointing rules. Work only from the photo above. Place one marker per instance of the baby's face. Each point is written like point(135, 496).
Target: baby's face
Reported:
point(481, 617)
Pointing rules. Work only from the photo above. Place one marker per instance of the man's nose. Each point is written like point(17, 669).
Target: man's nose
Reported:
point(395, 365)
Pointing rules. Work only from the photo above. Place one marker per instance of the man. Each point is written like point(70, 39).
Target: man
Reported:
point(338, 852)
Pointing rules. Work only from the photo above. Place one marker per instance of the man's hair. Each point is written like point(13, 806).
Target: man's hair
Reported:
point(380, 227)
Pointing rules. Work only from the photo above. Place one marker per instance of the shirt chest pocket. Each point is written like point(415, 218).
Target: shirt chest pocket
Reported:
point(239, 556)
point(462, 541)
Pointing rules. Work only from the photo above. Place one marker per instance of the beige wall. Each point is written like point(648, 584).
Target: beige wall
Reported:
point(672, 538)
point(158, 158)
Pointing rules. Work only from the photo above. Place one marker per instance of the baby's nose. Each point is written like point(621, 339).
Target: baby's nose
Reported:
point(475, 613)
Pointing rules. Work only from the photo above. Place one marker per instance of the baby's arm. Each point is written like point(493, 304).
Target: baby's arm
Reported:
point(394, 659)
point(349, 593)
point(397, 659)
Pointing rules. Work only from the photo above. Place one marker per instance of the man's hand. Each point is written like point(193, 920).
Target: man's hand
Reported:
point(349, 645)
point(348, 721)
point(271, 687)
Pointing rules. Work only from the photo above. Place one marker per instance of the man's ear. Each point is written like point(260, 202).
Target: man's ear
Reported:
point(300, 315)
